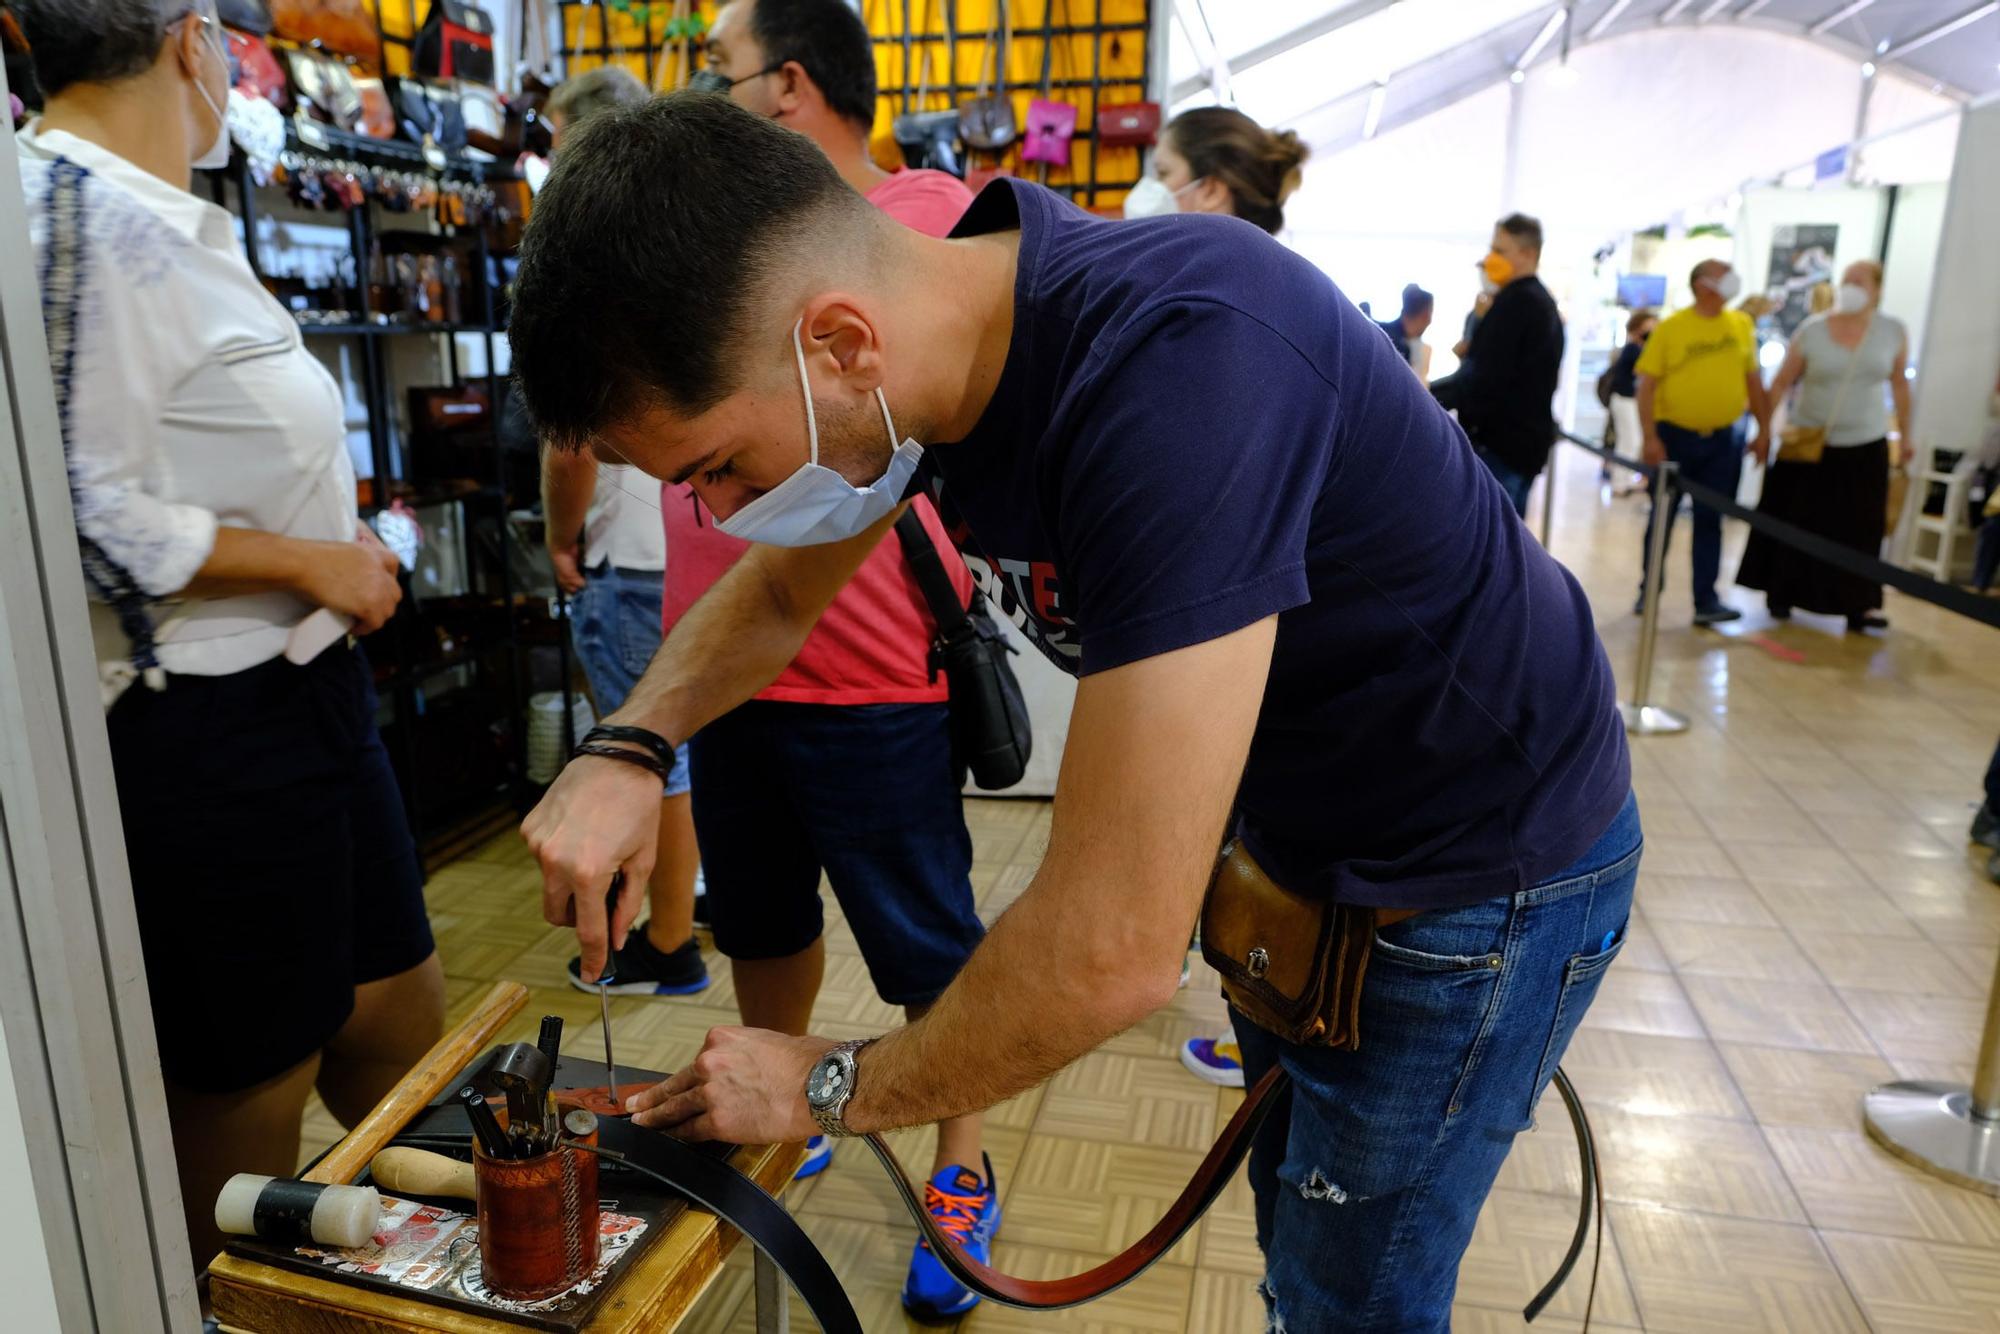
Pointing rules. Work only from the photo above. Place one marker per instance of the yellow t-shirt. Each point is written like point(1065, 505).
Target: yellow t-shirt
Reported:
point(1700, 364)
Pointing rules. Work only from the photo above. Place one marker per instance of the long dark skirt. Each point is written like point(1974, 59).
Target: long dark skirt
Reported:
point(1843, 497)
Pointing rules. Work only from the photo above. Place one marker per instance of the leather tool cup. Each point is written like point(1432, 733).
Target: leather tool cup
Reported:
point(1292, 965)
point(538, 1222)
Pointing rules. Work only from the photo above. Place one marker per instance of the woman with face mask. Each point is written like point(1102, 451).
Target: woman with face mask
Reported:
point(277, 888)
point(1848, 367)
point(1218, 160)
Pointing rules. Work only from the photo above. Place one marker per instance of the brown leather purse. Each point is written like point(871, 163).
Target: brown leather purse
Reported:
point(1292, 965)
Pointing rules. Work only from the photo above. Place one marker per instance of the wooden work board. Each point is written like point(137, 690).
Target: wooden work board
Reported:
point(259, 1287)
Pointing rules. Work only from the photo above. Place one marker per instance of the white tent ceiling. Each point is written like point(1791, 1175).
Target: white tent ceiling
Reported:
point(1342, 71)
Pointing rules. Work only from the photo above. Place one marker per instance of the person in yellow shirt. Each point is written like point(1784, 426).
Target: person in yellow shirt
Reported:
point(1697, 377)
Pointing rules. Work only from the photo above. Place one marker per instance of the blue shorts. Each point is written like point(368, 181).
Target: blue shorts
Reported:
point(865, 793)
point(615, 624)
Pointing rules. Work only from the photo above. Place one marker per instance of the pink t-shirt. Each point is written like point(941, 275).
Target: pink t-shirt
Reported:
point(873, 644)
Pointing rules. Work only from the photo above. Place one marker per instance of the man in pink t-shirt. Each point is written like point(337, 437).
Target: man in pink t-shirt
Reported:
point(842, 765)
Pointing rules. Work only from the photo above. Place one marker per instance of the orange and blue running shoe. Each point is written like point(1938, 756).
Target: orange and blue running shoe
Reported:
point(1214, 1060)
point(967, 1210)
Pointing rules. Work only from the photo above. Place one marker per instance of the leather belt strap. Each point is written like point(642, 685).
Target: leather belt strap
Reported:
point(1053, 1294)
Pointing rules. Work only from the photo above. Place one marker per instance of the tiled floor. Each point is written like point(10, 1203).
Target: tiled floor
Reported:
point(1810, 922)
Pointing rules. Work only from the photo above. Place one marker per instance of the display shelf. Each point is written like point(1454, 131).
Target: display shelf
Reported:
point(313, 136)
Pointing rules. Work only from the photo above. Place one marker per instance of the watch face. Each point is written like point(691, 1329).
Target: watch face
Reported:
point(827, 1082)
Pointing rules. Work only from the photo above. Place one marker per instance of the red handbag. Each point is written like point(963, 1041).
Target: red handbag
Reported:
point(1129, 125)
point(456, 42)
point(258, 73)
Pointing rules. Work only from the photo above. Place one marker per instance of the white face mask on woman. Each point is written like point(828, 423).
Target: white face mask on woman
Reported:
point(1151, 198)
point(217, 153)
point(1852, 299)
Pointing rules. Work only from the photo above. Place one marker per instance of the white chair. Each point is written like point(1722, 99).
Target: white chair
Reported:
point(1949, 535)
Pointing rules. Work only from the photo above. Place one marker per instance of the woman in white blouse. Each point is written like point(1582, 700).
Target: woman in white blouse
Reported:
point(1848, 366)
point(278, 892)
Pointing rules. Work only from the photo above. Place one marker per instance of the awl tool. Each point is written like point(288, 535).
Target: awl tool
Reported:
point(604, 986)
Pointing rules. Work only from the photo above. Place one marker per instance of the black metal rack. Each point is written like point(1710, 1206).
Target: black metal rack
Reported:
point(490, 617)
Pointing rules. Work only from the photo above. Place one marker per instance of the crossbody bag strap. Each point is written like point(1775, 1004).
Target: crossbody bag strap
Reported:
point(1847, 378)
point(928, 567)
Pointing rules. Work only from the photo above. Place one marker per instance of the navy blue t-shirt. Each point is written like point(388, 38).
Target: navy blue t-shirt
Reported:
point(1194, 430)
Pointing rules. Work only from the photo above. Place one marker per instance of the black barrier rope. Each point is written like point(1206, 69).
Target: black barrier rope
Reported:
point(1953, 599)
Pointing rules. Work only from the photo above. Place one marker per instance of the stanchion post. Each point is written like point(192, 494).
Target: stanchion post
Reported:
point(1642, 718)
point(1947, 1129)
point(1549, 494)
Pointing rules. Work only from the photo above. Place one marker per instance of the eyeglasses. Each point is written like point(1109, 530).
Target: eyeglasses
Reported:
point(714, 81)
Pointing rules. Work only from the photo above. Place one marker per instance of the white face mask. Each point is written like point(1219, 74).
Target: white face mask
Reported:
point(816, 504)
point(217, 154)
point(1852, 299)
point(1151, 198)
point(1729, 286)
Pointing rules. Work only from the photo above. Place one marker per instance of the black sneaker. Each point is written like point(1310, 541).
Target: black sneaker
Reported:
point(1985, 827)
point(1716, 615)
point(643, 969)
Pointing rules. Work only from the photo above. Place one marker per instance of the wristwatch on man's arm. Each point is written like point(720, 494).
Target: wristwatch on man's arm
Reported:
point(830, 1084)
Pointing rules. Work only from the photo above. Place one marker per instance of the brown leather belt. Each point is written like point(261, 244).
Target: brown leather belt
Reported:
point(1053, 1294)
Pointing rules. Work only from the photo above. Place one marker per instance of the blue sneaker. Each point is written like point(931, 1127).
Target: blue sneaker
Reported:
point(819, 1154)
point(968, 1211)
point(1217, 1061)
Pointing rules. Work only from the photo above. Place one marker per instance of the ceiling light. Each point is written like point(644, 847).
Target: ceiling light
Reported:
point(1518, 76)
point(1867, 69)
point(1562, 76)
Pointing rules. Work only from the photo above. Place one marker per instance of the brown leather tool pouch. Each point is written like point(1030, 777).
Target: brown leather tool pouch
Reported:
point(1293, 965)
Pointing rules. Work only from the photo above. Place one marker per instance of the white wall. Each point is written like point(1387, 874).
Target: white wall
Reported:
point(1857, 212)
point(24, 1270)
point(1962, 335)
point(1911, 264)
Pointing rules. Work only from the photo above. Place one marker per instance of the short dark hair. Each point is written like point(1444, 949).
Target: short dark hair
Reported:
point(1638, 319)
point(829, 39)
point(649, 246)
point(94, 41)
point(1695, 273)
point(1526, 230)
point(1416, 300)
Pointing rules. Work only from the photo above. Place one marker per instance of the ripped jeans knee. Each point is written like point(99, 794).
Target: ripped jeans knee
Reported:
point(1274, 1319)
point(1317, 1187)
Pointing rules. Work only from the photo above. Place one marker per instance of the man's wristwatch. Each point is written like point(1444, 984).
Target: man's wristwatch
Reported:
point(830, 1084)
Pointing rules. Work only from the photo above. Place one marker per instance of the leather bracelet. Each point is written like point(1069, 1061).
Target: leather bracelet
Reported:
point(662, 749)
point(638, 757)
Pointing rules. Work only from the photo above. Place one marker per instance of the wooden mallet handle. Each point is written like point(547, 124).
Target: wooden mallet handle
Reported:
point(427, 1078)
point(417, 1172)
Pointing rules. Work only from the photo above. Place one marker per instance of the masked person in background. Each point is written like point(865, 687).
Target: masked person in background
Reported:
point(279, 896)
point(1841, 362)
point(1505, 386)
point(1698, 375)
point(603, 535)
point(1218, 160)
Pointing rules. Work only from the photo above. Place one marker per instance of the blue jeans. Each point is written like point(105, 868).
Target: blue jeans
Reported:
point(1714, 460)
point(615, 625)
point(1516, 484)
point(1368, 1186)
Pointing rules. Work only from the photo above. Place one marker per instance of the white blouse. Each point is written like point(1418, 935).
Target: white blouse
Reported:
point(193, 403)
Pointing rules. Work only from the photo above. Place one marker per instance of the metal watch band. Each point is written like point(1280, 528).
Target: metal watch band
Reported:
point(833, 1120)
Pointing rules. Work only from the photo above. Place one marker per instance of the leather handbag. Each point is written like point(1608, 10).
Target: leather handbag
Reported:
point(378, 114)
point(1128, 124)
point(456, 42)
point(427, 112)
point(251, 16)
point(323, 86)
point(1292, 965)
point(991, 736)
point(1045, 139)
point(1807, 444)
point(258, 73)
point(986, 119)
point(345, 26)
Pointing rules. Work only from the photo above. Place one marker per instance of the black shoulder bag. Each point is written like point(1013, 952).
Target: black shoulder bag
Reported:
point(990, 735)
